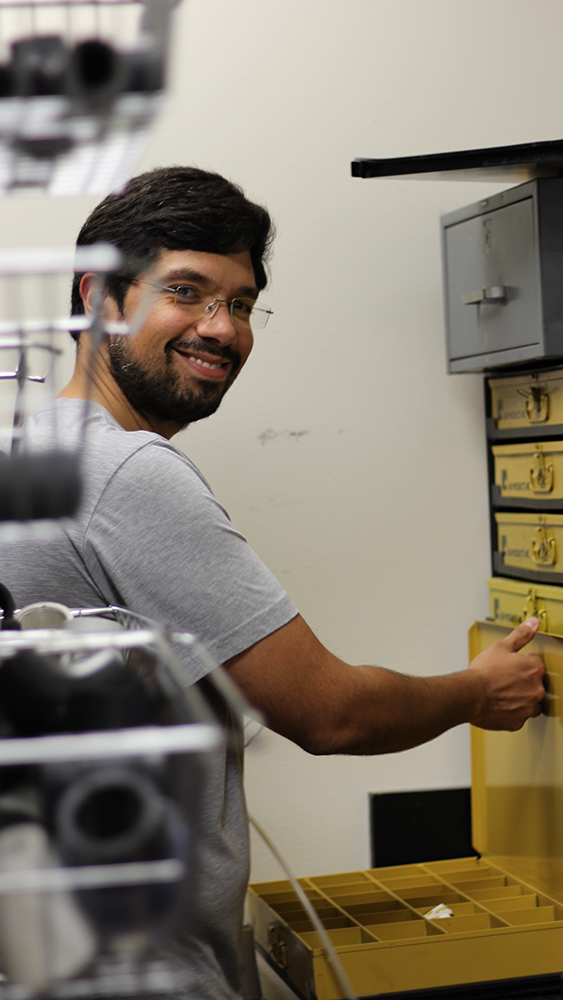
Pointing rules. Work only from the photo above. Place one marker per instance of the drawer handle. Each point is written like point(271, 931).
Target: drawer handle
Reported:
point(541, 474)
point(278, 946)
point(537, 404)
point(540, 615)
point(495, 295)
point(544, 548)
point(531, 609)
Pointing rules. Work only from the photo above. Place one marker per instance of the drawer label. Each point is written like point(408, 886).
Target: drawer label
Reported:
point(504, 617)
point(507, 484)
point(503, 414)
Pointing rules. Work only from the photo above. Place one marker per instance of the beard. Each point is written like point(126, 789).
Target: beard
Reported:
point(161, 393)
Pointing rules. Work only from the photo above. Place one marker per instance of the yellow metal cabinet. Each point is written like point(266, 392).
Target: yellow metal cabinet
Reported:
point(507, 906)
point(529, 546)
point(523, 401)
point(529, 474)
point(512, 601)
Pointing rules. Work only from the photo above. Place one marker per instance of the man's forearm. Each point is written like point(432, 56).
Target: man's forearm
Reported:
point(380, 711)
point(327, 706)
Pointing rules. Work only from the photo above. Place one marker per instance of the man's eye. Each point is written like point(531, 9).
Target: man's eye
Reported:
point(186, 292)
point(242, 308)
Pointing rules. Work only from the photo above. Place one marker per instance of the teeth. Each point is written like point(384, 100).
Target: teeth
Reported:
point(206, 364)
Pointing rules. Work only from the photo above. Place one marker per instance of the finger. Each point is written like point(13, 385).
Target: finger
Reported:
point(521, 635)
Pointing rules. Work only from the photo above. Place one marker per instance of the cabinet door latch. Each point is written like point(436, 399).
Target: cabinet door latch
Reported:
point(495, 295)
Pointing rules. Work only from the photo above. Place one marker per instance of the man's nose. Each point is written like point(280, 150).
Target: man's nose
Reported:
point(218, 324)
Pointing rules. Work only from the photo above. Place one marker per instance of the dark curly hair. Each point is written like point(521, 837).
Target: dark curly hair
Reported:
point(176, 208)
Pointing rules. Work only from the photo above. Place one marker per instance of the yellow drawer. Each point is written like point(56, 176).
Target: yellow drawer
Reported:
point(530, 546)
point(512, 601)
point(527, 400)
point(529, 474)
point(385, 950)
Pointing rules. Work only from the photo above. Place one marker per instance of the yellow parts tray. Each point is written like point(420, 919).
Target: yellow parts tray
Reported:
point(529, 471)
point(376, 922)
point(527, 400)
point(512, 601)
point(531, 542)
point(506, 907)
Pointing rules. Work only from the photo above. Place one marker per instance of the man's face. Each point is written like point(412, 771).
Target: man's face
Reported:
point(179, 365)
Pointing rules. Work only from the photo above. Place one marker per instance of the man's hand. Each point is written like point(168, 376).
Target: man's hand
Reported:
point(512, 682)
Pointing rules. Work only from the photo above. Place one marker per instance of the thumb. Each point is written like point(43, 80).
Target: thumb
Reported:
point(521, 635)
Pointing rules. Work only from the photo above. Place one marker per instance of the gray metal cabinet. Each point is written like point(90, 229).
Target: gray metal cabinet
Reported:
point(503, 278)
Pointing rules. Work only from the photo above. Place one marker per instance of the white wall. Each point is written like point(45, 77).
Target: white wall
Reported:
point(353, 463)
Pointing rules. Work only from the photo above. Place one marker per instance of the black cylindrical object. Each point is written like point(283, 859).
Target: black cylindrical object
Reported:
point(112, 815)
point(38, 697)
point(96, 72)
point(33, 693)
point(111, 698)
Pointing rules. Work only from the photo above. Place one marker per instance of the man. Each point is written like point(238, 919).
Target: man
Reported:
point(151, 536)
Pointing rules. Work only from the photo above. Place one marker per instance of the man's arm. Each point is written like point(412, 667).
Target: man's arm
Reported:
point(328, 706)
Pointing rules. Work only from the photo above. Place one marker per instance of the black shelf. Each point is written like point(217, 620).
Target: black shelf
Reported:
point(516, 164)
point(535, 504)
point(535, 432)
point(529, 575)
point(529, 987)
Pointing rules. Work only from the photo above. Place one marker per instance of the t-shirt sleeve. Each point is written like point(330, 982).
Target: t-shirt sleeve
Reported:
point(158, 542)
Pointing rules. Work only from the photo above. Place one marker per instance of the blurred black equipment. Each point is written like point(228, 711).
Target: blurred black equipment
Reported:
point(76, 107)
point(8, 607)
point(40, 485)
point(115, 815)
point(39, 697)
point(101, 767)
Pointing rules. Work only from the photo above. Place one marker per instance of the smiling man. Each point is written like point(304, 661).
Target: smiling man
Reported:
point(191, 347)
point(151, 536)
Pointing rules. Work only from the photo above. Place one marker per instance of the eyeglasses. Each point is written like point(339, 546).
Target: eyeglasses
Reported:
point(243, 312)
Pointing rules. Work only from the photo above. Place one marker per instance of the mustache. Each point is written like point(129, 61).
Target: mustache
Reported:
point(205, 347)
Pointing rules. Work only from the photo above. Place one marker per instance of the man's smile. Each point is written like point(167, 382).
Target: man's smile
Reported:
point(205, 365)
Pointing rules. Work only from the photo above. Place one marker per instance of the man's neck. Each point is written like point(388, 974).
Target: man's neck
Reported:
point(92, 380)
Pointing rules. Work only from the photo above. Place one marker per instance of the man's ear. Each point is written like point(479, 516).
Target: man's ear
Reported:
point(89, 290)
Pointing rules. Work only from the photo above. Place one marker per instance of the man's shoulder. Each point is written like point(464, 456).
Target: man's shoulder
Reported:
point(105, 448)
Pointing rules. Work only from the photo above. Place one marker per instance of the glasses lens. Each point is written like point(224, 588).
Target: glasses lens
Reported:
point(259, 318)
point(241, 311)
point(245, 313)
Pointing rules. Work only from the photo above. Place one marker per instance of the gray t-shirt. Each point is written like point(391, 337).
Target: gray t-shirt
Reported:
point(150, 536)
